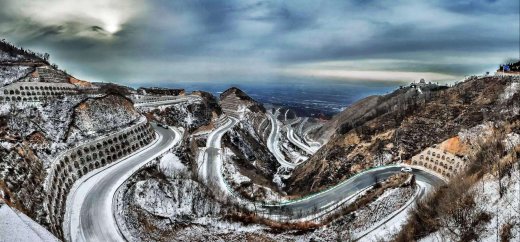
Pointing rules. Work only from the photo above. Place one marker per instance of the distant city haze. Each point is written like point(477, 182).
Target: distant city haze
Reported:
point(316, 98)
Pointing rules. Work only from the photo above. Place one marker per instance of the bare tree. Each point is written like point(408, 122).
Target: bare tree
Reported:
point(462, 218)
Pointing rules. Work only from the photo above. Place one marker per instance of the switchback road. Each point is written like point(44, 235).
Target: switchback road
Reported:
point(90, 213)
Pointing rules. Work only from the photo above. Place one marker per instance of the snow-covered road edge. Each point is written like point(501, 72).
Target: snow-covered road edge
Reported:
point(71, 222)
point(116, 205)
point(395, 219)
point(272, 141)
point(214, 142)
point(73, 191)
point(292, 137)
point(16, 226)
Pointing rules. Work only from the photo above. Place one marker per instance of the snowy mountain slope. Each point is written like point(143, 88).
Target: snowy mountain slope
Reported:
point(191, 114)
point(16, 226)
point(100, 115)
point(10, 73)
point(33, 133)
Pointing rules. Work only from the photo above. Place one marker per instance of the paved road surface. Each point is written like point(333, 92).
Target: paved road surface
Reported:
point(272, 141)
point(330, 198)
point(96, 222)
point(167, 102)
point(291, 136)
point(91, 216)
point(211, 168)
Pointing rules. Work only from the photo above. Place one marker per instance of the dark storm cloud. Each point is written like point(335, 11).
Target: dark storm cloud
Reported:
point(390, 41)
point(137, 42)
point(481, 6)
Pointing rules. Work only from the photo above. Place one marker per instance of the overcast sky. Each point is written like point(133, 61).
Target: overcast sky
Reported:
point(137, 42)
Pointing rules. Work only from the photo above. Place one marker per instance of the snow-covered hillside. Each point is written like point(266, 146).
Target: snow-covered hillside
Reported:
point(10, 73)
point(191, 114)
point(16, 226)
point(33, 134)
point(99, 115)
point(500, 208)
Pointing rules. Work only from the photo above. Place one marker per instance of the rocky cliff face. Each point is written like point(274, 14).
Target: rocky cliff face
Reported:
point(250, 149)
point(21, 180)
point(401, 124)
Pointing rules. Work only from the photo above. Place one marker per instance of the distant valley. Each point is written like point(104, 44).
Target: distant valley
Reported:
point(313, 98)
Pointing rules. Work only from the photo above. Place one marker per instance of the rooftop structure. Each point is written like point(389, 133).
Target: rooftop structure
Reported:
point(512, 68)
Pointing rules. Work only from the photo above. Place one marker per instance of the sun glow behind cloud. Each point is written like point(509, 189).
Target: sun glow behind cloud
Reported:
point(78, 17)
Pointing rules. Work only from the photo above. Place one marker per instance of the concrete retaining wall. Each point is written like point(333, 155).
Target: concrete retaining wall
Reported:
point(439, 161)
point(82, 159)
point(47, 74)
point(35, 91)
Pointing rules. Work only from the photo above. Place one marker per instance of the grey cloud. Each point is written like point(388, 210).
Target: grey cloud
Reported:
point(481, 6)
point(220, 39)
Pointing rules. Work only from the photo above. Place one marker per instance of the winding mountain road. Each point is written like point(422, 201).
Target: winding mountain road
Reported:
point(291, 136)
point(323, 202)
point(330, 198)
point(313, 143)
point(272, 141)
point(90, 214)
point(211, 168)
point(176, 100)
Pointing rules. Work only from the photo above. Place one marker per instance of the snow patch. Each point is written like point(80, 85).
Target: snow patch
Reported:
point(171, 165)
point(10, 74)
point(510, 91)
point(15, 226)
point(154, 199)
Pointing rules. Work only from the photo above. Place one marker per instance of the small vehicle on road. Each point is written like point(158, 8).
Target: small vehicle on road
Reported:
point(162, 125)
point(406, 169)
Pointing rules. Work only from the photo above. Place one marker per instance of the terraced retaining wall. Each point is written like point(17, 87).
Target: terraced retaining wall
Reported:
point(47, 74)
point(439, 161)
point(35, 91)
point(80, 160)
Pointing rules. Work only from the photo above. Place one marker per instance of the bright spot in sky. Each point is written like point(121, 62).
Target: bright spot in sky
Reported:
point(111, 28)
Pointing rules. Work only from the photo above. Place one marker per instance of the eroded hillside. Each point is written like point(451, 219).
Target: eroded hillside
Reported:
point(400, 125)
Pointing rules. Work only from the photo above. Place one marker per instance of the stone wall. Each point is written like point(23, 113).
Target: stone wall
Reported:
point(80, 160)
point(35, 91)
point(439, 161)
point(47, 74)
